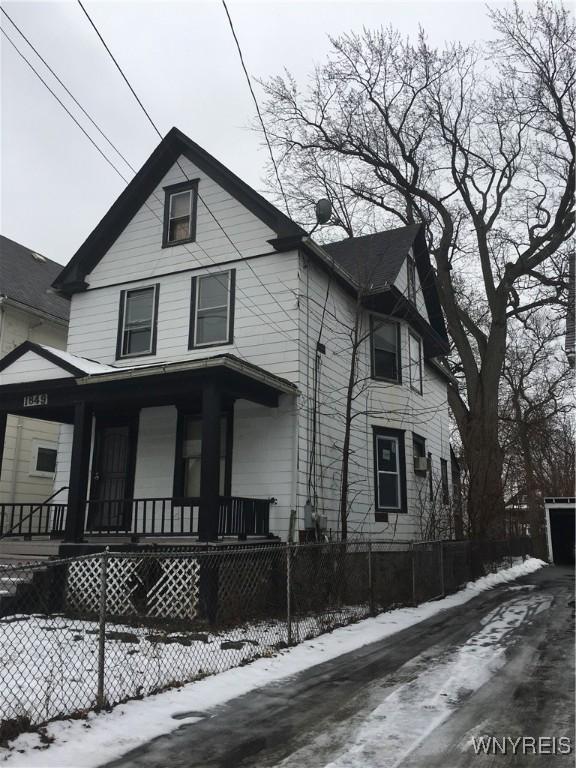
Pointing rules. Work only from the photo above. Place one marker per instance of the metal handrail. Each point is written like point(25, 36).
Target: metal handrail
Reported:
point(32, 512)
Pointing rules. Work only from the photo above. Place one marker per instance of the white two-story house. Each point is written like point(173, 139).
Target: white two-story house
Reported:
point(204, 390)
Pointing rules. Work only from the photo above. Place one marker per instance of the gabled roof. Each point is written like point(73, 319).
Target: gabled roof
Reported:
point(374, 261)
point(72, 364)
point(174, 144)
point(26, 276)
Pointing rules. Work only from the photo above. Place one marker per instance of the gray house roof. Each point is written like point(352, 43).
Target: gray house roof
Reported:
point(374, 260)
point(26, 276)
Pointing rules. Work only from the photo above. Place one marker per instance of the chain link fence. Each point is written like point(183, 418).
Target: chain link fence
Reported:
point(96, 630)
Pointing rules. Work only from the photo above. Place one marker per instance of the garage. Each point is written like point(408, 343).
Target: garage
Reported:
point(561, 529)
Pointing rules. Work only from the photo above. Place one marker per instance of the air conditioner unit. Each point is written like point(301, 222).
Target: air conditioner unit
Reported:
point(421, 464)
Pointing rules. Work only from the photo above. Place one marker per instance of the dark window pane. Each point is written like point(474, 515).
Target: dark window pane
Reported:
point(387, 460)
point(212, 326)
point(137, 341)
point(385, 346)
point(419, 447)
point(139, 307)
point(180, 204)
point(213, 291)
point(388, 490)
point(385, 364)
point(46, 460)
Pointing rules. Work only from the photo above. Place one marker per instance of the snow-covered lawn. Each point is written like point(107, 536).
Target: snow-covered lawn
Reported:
point(102, 737)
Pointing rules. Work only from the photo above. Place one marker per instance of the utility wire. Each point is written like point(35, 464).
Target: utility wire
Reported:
point(114, 168)
point(90, 139)
point(232, 243)
point(248, 80)
point(74, 99)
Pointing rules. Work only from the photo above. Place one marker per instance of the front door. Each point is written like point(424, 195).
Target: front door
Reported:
point(112, 476)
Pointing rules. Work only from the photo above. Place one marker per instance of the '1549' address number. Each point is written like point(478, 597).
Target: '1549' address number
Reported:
point(30, 400)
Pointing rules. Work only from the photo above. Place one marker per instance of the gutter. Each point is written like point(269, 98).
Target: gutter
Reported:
point(282, 385)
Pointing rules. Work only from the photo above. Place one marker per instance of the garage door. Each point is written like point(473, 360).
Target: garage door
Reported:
point(563, 535)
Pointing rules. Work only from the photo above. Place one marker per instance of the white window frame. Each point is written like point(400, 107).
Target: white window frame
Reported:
point(387, 472)
point(226, 339)
point(171, 218)
point(127, 292)
point(412, 362)
point(49, 445)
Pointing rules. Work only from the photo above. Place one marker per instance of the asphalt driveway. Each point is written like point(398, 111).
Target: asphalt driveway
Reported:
point(501, 665)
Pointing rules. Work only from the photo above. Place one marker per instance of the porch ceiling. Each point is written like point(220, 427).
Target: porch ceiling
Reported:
point(144, 385)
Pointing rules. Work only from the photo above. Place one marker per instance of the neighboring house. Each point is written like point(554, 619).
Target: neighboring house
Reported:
point(203, 391)
point(28, 312)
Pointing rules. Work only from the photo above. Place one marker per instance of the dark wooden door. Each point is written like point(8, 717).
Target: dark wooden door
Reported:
point(112, 479)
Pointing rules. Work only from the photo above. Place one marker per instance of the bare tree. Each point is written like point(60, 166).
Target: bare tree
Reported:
point(476, 143)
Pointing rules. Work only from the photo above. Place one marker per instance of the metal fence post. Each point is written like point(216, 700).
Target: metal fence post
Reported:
point(413, 552)
point(370, 581)
point(100, 696)
point(288, 594)
point(442, 584)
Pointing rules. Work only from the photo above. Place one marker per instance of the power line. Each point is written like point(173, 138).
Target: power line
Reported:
point(74, 99)
point(235, 36)
point(39, 76)
point(154, 213)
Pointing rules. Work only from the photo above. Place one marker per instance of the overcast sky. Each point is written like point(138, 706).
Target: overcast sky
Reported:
point(182, 62)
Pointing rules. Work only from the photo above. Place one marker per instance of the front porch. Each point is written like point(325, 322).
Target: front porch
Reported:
point(155, 454)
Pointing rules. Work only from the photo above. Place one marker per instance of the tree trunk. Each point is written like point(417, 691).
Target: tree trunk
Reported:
point(485, 503)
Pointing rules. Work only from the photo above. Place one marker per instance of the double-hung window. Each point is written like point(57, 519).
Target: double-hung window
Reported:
point(389, 469)
point(180, 213)
point(385, 350)
point(415, 354)
point(188, 477)
point(137, 326)
point(212, 311)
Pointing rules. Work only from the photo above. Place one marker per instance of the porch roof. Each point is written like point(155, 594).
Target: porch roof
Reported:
point(28, 386)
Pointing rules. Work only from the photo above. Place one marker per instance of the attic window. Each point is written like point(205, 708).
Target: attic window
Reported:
point(180, 213)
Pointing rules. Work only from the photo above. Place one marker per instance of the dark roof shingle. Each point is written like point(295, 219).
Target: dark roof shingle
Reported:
point(374, 260)
point(26, 276)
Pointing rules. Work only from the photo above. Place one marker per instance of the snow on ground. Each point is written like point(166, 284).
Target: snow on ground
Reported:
point(105, 736)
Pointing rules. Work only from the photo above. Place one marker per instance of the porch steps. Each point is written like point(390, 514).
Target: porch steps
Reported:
point(20, 590)
point(25, 551)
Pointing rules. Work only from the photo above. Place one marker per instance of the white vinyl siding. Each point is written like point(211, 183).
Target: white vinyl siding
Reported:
point(138, 252)
point(265, 317)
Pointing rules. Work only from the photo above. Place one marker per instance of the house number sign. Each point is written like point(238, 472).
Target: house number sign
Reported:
point(30, 400)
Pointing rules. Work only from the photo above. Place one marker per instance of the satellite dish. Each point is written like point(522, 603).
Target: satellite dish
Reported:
point(323, 211)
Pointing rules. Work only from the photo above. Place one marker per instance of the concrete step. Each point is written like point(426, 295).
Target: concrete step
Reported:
point(28, 550)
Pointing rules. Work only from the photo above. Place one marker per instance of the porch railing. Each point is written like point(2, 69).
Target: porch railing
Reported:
point(238, 516)
point(32, 519)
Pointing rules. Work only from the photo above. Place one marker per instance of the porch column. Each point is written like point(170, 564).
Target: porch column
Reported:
point(79, 466)
point(210, 464)
point(3, 420)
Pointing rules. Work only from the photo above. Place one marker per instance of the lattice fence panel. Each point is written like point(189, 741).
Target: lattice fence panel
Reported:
point(175, 594)
point(155, 587)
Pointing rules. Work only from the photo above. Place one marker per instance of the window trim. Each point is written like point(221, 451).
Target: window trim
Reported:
point(381, 513)
point(192, 343)
point(175, 189)
point(398, 379)
point(50, 445)
point(120, 355)
point(418, 339)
